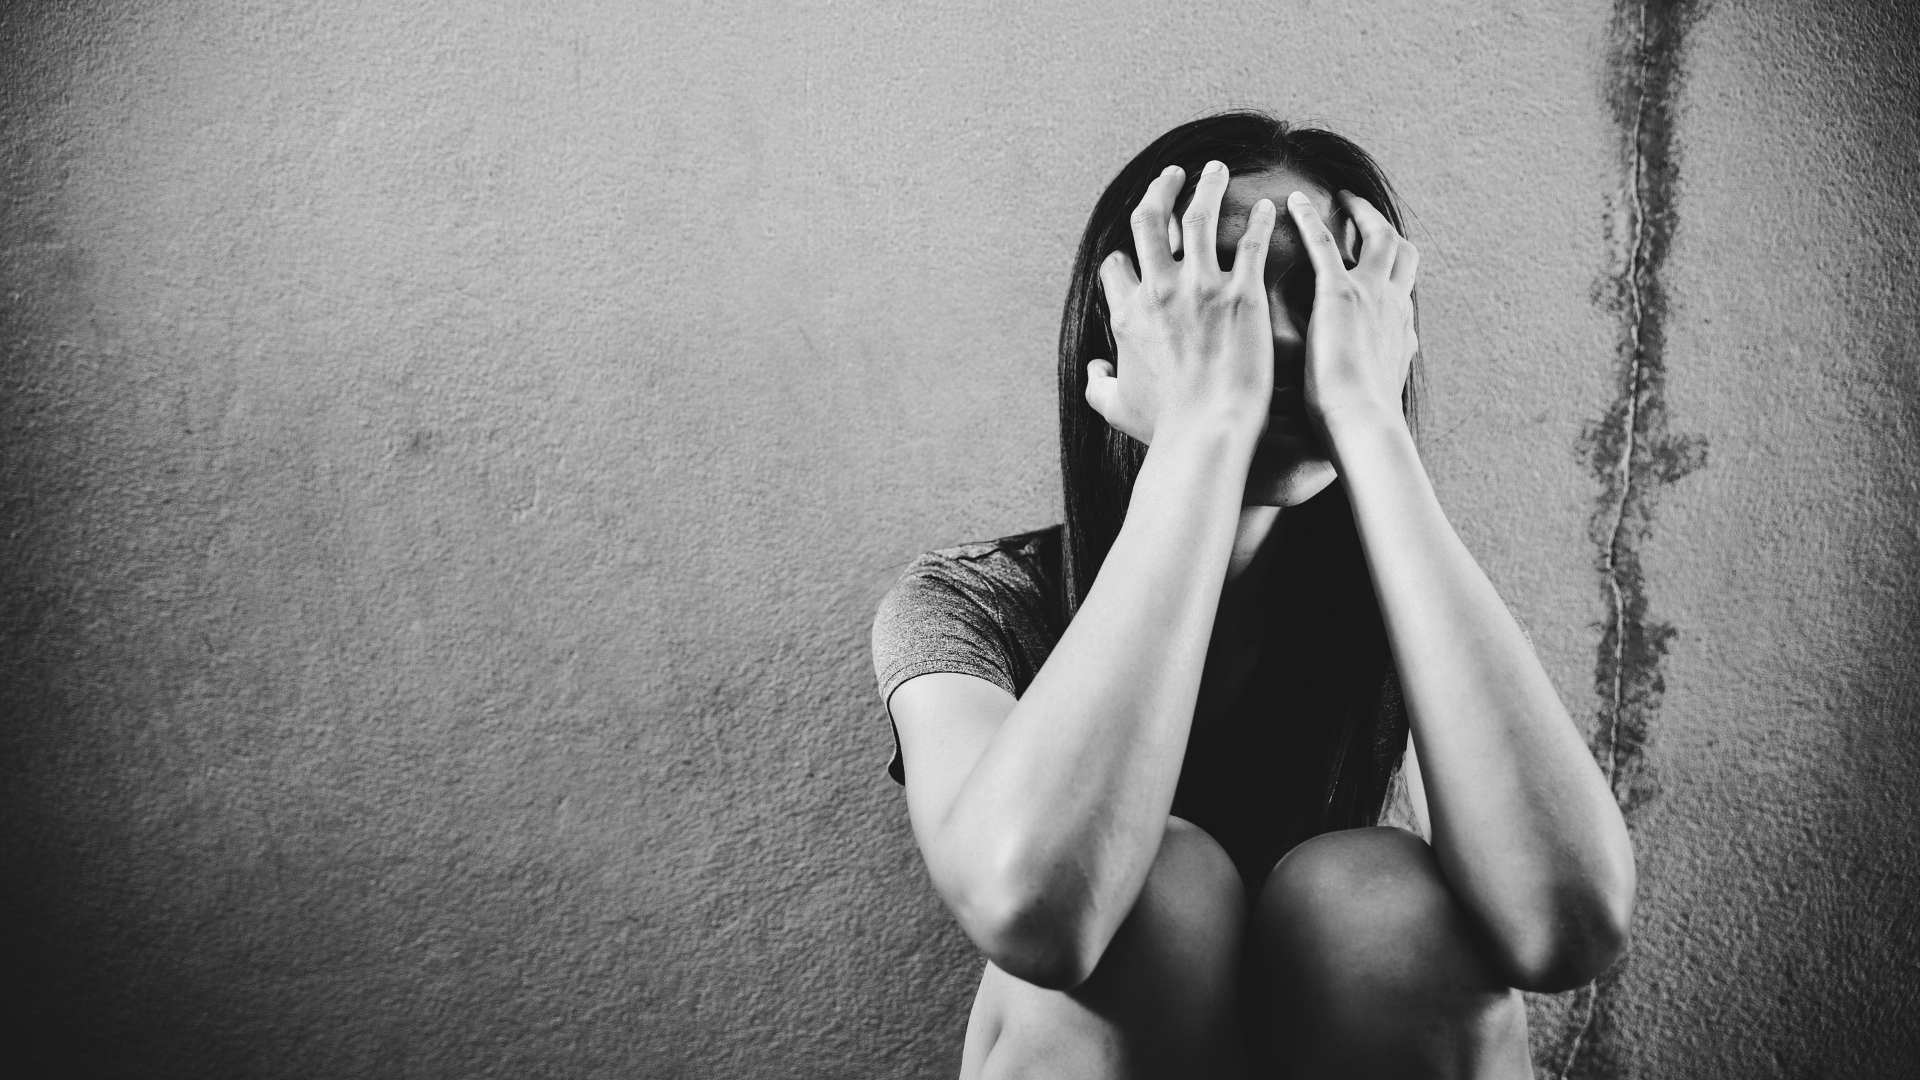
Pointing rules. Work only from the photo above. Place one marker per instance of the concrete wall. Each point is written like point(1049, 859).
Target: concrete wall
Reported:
point(450, 452)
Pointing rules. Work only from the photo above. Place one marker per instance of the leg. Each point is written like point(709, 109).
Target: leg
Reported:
point(1161, 1002)
point(1372, 968)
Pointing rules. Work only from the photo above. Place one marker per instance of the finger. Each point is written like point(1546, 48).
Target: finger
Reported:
point(1349, 237)
point(1406, 264)
point(1103, 389)
point(1250, 261)
point(1117, 279)
point(1149, 223)
point(1322, 250)
point(1379, 241)
point(1200, 225)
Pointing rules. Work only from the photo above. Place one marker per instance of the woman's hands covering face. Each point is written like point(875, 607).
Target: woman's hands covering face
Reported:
point(1360, 340)
point(1196, 340)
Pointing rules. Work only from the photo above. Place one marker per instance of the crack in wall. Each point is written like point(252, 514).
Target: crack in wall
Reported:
point(1630, 449)
point(1636, 366)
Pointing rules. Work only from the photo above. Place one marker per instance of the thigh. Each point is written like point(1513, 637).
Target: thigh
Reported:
point(1371, 967)
point(1162, 1001)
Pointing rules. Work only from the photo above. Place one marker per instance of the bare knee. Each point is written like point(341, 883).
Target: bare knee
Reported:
point(1369, 904)
point(1172, 967)
point(1163, 995)
point(1193, 900)
point(1374, 966)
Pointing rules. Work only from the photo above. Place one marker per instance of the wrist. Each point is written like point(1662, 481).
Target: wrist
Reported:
point(1194, 466)
point(1358, 436)
point(1220, 440)
point(1354, 423)
point(1192, 479)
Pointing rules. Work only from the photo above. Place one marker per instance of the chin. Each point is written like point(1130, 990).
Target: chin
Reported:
point(1286, 473)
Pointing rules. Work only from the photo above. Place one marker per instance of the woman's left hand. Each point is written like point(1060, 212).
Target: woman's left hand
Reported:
point(1360, 338)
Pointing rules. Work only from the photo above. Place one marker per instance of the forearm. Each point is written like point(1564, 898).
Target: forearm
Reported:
point(1059, 821)
point(1524, 825)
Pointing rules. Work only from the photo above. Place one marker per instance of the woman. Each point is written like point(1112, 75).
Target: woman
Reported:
point(1146, 753)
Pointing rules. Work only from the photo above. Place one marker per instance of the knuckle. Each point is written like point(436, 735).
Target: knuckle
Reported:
point(1144, 215)
point(1197, 215)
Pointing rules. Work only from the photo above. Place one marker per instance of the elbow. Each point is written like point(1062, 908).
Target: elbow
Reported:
point(1032, 935)
point(1575, 943)
point(1033, 949)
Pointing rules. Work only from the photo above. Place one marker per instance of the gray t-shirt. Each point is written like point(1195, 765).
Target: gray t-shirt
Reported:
point(986, 609)
point(993, 610)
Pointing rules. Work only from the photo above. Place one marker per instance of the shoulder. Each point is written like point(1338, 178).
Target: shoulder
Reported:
point(990, 608)
point(1008, 576)
point(1034, 554)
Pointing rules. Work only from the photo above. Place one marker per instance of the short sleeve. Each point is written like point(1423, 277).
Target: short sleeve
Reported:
point(931, 622)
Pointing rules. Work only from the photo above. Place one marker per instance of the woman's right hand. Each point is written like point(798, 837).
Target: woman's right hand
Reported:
point(1195, 343)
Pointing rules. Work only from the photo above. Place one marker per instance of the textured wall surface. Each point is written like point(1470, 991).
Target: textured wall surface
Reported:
point(450, 453)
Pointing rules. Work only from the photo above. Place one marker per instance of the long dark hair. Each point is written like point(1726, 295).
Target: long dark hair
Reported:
point(1325, 620)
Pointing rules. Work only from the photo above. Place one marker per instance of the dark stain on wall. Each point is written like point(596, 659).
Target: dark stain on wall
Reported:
point(1631, 450)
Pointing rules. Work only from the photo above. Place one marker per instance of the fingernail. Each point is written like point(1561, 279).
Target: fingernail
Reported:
point(1213, 167)
point(1298, 198)
point(1263, 208)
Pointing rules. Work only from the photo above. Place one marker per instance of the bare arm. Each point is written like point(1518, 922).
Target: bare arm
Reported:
point(1523, 823)
point(1040, 819)
point(1041, 846)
